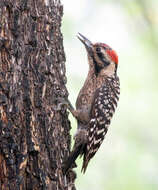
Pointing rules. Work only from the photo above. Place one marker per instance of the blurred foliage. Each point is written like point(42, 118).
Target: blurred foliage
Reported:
point(128, 157)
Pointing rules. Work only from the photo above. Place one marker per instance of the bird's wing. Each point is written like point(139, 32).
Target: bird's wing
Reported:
point(103, 107)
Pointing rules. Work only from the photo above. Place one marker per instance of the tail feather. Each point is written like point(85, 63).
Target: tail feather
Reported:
point(85, 163)
point(71, 159)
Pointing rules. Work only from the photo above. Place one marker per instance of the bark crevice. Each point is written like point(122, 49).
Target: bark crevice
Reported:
point(34, 138)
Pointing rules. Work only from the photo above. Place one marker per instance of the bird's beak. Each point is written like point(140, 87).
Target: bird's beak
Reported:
point(88, 44)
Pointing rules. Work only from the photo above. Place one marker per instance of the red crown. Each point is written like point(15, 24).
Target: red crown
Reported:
point(113, 55)
point(110, 52)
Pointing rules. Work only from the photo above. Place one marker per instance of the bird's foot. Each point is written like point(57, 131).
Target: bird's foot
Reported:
point(63, 102)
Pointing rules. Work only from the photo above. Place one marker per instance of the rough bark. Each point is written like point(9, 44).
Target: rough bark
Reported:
point(34, 138)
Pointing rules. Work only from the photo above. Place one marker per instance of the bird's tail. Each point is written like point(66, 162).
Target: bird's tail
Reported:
point(71, 159)
point(85, 163)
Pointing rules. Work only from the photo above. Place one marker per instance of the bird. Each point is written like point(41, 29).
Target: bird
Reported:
point(95, 104)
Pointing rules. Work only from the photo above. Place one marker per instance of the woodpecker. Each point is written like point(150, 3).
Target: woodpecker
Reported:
point(96, 102)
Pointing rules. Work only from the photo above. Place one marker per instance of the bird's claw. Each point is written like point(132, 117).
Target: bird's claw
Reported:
point(60, 103)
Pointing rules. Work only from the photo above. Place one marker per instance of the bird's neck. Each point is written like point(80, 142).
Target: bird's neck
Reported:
point(108, 71)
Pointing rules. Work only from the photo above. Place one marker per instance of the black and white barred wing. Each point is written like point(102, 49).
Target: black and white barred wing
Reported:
point(103, 108)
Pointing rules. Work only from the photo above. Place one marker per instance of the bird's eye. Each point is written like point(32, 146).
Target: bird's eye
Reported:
point(98, 49)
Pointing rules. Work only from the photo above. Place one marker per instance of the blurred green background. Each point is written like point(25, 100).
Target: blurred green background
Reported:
point(128, 157)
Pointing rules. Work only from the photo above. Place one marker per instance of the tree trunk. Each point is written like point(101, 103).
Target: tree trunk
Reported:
point(34, 138)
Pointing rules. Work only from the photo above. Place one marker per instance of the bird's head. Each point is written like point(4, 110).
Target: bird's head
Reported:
point(104, 58)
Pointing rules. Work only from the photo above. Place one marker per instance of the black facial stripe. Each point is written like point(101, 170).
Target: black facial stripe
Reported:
point(97, 67)
point(101, 57)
